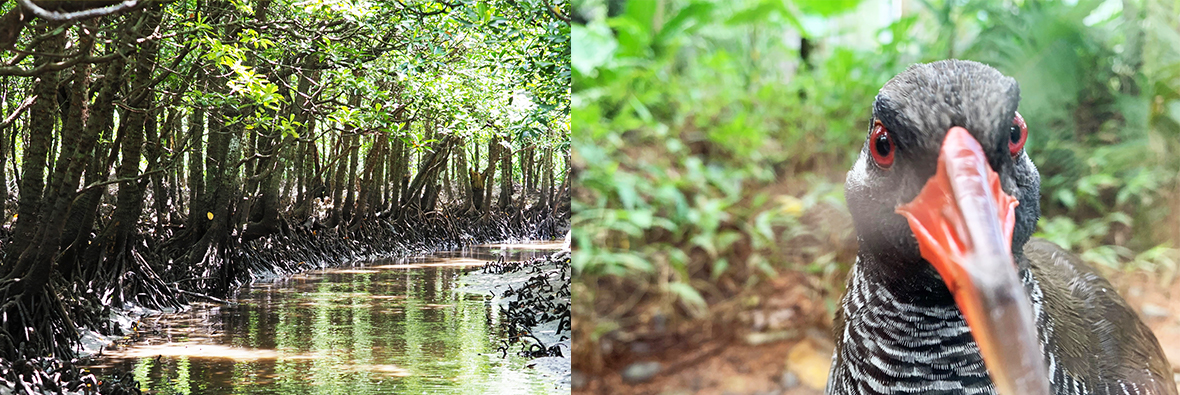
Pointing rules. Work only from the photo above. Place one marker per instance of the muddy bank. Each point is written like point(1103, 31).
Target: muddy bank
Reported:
point(297, 248)
point(533, 297)
point(158, 279)
point(375, 327)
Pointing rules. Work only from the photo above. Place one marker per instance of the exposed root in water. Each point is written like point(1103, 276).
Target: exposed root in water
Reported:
point(39, 330)
point(542, 303)
point(49, 375)
point(299, 248)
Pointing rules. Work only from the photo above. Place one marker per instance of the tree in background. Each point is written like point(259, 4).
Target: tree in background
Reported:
point(154, 146)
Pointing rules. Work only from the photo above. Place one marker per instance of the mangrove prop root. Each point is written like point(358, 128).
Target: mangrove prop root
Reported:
point(296, 248)
point(39, 335)
point(537, 301)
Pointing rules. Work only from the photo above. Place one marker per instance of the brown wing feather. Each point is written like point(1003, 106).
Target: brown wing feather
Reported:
point(1097, 336)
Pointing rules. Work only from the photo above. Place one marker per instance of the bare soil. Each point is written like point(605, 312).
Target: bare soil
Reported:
point(782, 344)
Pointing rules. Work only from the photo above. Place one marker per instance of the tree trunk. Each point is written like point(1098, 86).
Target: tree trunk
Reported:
point(306, 152)
point(5, 86)
point(489, 174)
point(464, 177)
point(83, 209)
point(42, 116)
point(380, 188)
point(339, 177)
point(506, 180)
point(530, 173)
point(432, 195)
point(431, 165)
point(159, 190)
point(446, 178)
point(369, 196)
point(196, 168)
point(250, 171)
point(547, 184)
point(310, 182)
point(350, 196)
point(216, 152)
point(399, 163)
point(297, 174)
point(388, 187)
point(130, 196)
point(77, 143)
point(270, 168)
point(222, 193)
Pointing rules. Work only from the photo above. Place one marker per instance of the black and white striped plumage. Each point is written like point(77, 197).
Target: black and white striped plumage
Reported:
point(899, 330)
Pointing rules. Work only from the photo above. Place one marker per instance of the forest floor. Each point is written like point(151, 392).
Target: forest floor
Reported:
point(795, 360)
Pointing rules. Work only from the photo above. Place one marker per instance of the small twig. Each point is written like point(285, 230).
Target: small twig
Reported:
point(118, 180)
point(553, 10)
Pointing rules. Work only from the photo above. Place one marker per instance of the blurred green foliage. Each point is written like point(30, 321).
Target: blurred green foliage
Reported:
point(711, 138)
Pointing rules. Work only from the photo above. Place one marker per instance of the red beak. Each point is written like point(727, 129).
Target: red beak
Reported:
point(963, 221)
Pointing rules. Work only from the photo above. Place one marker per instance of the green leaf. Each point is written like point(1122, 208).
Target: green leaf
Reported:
point(1067, 198)
point(633, 261)
point(726, 238)
point(1172, 109)
point(678, 259)
point(625, 187)
point(687, 294)
point(666, 224)
point(642, 14)
point(1120, 217)
point(706, 242)
point(687, 20)
point(757, 13)
point(640, 217)
point(719, 267)
point(826, 8)
point(1103, 255)
point(762, 225)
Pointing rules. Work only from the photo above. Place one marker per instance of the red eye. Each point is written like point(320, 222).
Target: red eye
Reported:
point(881, 145)
point(1017, 135)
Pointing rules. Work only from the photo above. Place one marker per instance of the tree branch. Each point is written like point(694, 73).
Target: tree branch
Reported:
point(19, 109)
point(118, 180)
point(553, 10)
point(54, 66)
point(76, 15)
point(447, 7)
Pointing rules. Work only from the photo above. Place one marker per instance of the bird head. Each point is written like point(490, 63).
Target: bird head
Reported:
point(944, 198)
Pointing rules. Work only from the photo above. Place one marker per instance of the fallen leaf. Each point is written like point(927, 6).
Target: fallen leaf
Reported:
point(810, 364)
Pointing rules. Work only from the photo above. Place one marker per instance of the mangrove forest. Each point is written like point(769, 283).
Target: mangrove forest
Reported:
point(163, 156)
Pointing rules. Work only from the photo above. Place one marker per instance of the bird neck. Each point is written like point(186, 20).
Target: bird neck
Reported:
point(890, 334)
point(916, 280)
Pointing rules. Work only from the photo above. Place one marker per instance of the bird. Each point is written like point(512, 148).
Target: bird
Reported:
point(950, 293)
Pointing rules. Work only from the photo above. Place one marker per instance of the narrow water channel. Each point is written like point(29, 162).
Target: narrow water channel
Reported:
point(386, 326)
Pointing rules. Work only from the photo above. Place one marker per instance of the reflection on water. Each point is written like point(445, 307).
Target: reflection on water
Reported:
point(390, 326)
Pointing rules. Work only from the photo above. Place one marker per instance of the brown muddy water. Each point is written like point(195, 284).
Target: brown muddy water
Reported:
point(380, 327)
